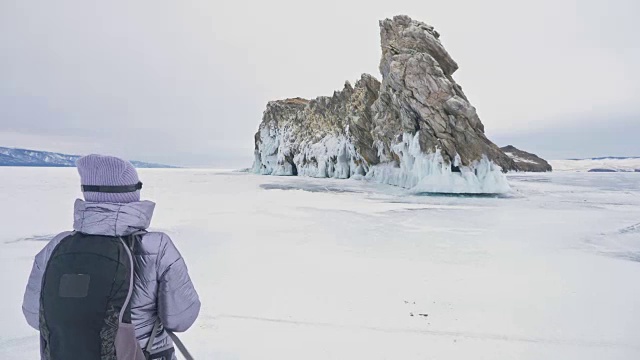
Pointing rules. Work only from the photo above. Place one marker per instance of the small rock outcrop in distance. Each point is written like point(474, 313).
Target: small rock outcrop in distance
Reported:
point(415, 129)
point(526, 161)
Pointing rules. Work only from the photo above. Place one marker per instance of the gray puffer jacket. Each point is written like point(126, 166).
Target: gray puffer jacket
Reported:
point(163, 287)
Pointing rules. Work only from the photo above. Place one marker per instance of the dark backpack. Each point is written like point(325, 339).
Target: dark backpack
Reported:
point(85, 301)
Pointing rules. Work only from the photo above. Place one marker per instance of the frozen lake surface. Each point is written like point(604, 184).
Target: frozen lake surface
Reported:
point(299, 268)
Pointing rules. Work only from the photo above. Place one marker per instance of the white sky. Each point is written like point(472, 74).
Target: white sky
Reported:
point(185, 82)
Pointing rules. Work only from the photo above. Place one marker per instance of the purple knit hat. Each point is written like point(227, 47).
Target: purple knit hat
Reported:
point(100, 170)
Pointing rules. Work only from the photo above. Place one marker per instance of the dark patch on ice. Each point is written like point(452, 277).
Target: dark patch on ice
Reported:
point(318, 188)
point(621, 244)
point(426, 209)
point(533, 179)
point(493, 196)
point(627, 255)
point(33, 238)
point(309, 188)
point(622, 255)
point(635, 257)
point(222, 173)
point(631, 229)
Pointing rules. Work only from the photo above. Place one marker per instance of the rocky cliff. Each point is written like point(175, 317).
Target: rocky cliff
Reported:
point(415, 129)
point(526, 161)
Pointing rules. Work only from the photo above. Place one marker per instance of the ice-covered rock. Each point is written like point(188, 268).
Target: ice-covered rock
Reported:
point(525, 161)
point(415, 129)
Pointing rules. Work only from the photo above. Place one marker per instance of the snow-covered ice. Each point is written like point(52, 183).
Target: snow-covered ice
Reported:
point(303, 268)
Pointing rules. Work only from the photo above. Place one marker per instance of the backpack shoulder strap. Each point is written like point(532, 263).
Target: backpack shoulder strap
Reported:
point(152, 338)
point(158, 323)
point(131, 239)
point(131, 243)
point(180, 346)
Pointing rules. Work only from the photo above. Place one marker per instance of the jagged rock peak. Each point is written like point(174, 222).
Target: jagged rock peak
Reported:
point(415, 128)
point(402, 35)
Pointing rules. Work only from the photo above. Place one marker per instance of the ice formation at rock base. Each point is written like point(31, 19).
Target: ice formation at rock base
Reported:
point(421, 172)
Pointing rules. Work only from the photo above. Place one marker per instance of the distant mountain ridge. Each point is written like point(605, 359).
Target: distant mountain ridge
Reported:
point(610, 157)
point(599, 164)
point(35, 158)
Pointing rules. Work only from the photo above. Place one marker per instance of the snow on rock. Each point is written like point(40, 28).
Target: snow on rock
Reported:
point(525, 161)
point(415, 129)
point(519, 159)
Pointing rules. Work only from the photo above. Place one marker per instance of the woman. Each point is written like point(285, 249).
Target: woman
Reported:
point(161, 295)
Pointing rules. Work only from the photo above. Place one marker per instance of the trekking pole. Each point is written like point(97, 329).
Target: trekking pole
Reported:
point(180, 346)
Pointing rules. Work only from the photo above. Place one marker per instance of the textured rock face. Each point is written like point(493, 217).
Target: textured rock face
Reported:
point(526, 161)
point(415, 129)
point(324, 137)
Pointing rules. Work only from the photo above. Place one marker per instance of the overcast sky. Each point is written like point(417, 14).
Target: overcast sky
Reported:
point(185, 82)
